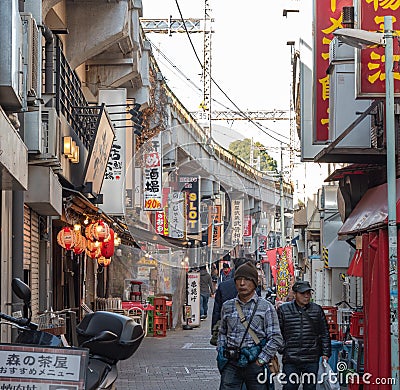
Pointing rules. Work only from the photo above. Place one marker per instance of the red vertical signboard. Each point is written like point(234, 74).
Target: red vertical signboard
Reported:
point(371, 60)
point(327, 18)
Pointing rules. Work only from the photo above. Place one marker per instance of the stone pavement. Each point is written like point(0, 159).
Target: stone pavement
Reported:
point(182, 360)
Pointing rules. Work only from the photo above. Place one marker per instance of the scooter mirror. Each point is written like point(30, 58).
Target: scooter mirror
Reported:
point(21, 290)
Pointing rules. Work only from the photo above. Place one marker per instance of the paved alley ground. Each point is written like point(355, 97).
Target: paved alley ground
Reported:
point(182, 360)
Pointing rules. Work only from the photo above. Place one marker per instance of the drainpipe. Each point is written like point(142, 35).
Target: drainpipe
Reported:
point(17, 234)
point(48, 65)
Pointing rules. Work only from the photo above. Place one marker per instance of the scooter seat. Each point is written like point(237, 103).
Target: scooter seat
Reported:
point(95, 373)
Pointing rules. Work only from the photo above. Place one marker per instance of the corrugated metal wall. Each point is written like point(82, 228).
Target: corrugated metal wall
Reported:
point(31, 254)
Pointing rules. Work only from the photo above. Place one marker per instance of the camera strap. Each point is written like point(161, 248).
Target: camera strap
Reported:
point(247, 324)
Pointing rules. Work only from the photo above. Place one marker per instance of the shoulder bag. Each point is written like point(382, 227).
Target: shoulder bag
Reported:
point(273, 364)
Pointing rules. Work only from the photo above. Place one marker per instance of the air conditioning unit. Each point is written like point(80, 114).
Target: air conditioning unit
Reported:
point(51, 128)
point(31, 57)
point(11, 84)
point(42, 134)
point(340, 52)
point(33, 131)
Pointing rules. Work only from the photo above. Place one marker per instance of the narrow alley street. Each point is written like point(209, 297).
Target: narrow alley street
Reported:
point(182, 360)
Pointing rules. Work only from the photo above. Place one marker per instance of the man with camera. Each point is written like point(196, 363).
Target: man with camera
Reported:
point(249, 334)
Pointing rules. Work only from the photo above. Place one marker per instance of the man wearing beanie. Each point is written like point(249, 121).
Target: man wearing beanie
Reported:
point(249, 334)
point(225, 291)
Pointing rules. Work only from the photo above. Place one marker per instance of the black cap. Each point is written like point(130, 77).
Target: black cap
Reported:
point(302, 286)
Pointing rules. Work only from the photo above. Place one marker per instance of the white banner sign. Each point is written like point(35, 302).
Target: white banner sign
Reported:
point(113, 188)
point(153, 175)
point(42, 368)
point(237, 222)
point(194, 297)
point(176, 215)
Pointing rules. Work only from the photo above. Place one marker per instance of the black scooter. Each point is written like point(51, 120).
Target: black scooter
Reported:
point(109, 337)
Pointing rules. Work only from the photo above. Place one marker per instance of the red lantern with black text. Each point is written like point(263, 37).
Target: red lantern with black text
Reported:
point(107, 246)
point(65, 238)
point(101, 231)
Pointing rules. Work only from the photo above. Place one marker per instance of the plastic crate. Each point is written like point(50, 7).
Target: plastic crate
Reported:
point(330, 314)
point(357, 324)
point(160, 306)
point(160, 326)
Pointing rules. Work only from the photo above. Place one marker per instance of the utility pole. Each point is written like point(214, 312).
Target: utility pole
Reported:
point(169, 26)
point(281, 199)
point(206, 105)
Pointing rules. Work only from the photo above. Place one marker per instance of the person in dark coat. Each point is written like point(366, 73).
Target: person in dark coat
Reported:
point(306, 338)
point(206, 290)
point(226, 273)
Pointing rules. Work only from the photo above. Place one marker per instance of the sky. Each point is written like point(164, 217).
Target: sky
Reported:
point(251, 61)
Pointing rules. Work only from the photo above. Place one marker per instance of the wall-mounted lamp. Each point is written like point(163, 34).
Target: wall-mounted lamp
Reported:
point(67, 142)
point(75, 153)
point(71, 149)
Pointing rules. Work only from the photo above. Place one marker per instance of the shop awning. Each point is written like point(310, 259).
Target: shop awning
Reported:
point(76, 204)
point(371, 211)
point(355, 266)
point(356, 169)
point(130, 235)
point(141, 235)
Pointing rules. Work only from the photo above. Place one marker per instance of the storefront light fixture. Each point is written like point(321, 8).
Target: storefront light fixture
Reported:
point(71, 149)
point(67, 142)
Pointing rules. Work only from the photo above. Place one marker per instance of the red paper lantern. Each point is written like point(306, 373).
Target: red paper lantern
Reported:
point(65, 238)
point(80, 243)
point(101, 231)
point(89, 232)
point(104, 262)
point(94, 254)
point(92, 245)
point(107, 246)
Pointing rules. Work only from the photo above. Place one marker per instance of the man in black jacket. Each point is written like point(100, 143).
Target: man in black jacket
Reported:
point(306, 338)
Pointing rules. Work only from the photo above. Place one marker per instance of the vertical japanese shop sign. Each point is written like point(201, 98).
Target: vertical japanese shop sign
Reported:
point(247, 233)
point(161, 222)
point(114, 184)
point(25, 367)
point(237, 222)
point(177, 215)
point(214, 230)
point(327, 18)
point(153, 175)
point(194, 297)
point(371, 60)
point(190, 186)
point(165, 191)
